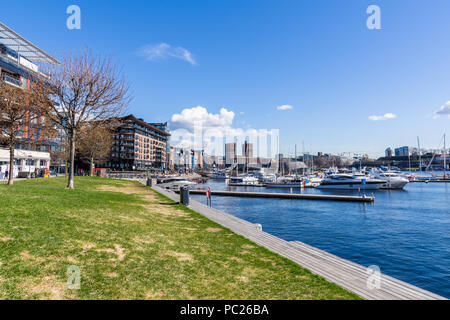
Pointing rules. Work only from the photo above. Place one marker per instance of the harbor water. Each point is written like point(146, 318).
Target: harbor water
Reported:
point(406, 233)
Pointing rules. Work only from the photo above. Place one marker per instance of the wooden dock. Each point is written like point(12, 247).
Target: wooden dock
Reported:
point(287, 196)
point(431, 181)
point(346, 274)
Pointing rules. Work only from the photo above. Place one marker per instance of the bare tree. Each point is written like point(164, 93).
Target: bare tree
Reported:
point(95, 142)
point(319, 162)
point(88, 88)
point(19, 108)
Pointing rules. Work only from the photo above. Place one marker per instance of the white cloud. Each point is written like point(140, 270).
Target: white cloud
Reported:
point(386, 116)
point(443, 110)
point(285, 107)
point(163, 51)
point(188, 118)
point(197, 128)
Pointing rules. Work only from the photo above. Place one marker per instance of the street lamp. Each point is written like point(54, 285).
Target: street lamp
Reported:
point(29, 165)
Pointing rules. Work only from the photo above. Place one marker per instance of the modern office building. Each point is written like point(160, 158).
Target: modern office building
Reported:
point(20, 63)
point(402, 152)
point(138, 145)
point(247, 150)
point(388, 152)
point(230, 153)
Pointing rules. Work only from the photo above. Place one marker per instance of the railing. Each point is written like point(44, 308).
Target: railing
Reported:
point(12, 80)
point(127, 175)
point(12, 64)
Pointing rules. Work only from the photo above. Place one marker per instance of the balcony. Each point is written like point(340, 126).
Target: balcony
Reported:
point(21, 64)
point(12, 80)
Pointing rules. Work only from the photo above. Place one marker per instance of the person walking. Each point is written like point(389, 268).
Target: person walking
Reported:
point(208, 197)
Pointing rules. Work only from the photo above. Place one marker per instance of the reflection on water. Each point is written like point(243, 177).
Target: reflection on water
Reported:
point(406, 233)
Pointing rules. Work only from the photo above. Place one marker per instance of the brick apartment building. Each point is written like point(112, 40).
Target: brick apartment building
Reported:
point(138, 145)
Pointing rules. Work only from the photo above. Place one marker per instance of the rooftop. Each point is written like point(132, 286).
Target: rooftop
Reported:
point(145, 124)
point(24, 47)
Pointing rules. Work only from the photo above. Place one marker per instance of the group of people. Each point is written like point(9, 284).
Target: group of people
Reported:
point(3, 175)
point(38, 173)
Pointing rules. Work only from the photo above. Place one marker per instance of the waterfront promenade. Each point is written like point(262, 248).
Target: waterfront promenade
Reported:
point(345, 273)
point(130, 242)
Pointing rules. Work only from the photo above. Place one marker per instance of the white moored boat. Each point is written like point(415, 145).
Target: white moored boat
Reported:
point(313, 181)
point(392, 179)
point(351, 182)
point(175, 183)
point(243, 181)
point(219, 175)
point(286, 182)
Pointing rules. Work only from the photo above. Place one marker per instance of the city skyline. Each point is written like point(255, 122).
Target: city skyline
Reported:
point(316, 72)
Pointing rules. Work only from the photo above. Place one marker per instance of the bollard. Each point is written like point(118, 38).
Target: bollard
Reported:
point(258, 226)
point(149, 182)
point(184, 196)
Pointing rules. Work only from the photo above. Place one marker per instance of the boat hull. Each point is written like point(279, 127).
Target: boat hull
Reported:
point(394, 185)
point(351, 186)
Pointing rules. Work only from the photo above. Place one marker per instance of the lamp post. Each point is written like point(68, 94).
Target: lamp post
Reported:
point(29, 165)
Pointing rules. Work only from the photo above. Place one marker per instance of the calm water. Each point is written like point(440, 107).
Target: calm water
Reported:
point(406, 233)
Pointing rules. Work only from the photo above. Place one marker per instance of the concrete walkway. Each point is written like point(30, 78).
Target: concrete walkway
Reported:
point(349, 275)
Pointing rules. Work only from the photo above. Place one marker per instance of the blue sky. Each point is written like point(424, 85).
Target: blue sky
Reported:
point(252, 56)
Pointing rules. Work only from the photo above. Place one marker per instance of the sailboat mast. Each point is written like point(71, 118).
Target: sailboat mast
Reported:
point(409, 160)
point(445, 159)
point(420, 155)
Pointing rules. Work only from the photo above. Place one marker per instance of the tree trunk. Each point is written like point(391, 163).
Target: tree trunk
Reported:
point(11, 165)
point(91, 168)
point(71, 159)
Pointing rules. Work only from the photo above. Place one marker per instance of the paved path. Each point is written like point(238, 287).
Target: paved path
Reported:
point(346, 274)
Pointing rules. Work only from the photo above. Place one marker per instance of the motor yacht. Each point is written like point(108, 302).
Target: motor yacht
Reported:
point(392, 179)
point(243, 181)
point(287, 182)
point(218, 175)
point(351, 182)
point(175, 183)
point(265, 176)
point(313, 181)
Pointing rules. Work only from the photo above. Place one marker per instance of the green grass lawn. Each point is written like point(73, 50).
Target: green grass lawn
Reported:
point(132, 243)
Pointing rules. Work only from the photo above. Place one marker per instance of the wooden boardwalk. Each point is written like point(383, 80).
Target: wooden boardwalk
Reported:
point(293, 196)
point(346, 274)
